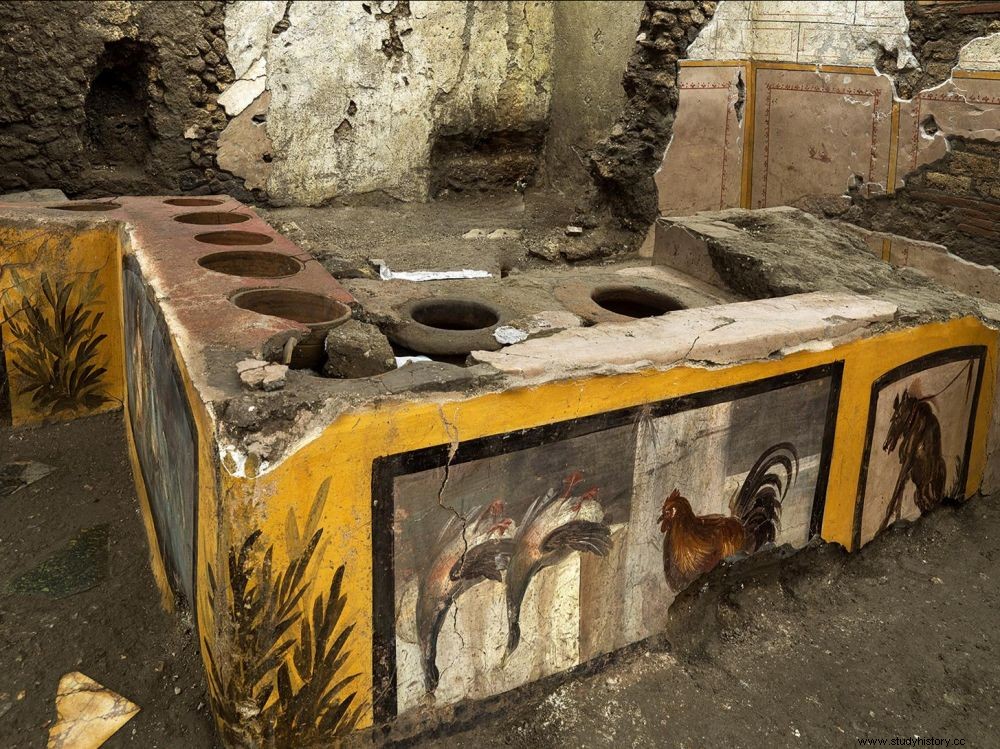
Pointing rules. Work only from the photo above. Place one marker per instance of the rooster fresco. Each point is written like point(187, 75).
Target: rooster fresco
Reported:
point(554, 526)
point(467, 552)
point(694, 544)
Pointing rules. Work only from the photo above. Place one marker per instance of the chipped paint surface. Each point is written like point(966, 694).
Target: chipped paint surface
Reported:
point(981, 54)
point(782, 100)
point(716, 336)
point(385, 77)
point(841, 32)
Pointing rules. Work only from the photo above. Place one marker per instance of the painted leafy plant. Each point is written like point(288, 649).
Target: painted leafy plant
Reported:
point(319, 710)
point(56, 344)
point(277, 674)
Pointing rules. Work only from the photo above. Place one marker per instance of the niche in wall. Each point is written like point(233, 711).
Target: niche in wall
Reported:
point(484, 161)
point(117, 131)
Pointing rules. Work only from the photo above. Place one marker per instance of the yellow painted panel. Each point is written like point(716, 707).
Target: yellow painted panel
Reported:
point(60, 311)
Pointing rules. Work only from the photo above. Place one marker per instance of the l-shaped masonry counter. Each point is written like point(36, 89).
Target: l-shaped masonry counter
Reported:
point(387, 549)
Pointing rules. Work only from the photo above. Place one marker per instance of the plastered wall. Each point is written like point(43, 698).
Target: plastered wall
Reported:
point(356, 93)
point(593, 42)
point(844, 32)
point(298, 102)
point(784, 100)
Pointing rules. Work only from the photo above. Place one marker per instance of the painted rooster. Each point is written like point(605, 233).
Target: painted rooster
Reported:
point(467, 552)
point(694, 544)
point(554, 526)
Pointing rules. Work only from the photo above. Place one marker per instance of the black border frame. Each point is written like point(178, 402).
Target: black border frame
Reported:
point(921, 364)
point(386, 469)
point(6, 403)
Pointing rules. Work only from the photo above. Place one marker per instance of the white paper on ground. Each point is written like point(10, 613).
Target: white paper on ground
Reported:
point(386, 274)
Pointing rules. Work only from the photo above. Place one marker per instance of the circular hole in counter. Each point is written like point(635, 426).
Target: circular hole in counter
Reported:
point(319, 313)
point(234, 238)
point(446, 326)
point(292, 304)
point(454, 314)
point(251, 264)
point(634, 301)
point(89, 206)
point(193, 202)
point(212, 218)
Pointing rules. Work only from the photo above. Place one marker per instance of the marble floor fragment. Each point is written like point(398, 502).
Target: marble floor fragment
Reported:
point(87, 714)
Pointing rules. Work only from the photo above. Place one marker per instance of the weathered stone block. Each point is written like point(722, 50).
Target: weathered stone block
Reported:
point(357, 349)
point(34, 196)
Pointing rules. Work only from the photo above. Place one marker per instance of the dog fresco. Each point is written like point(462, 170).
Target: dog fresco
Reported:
point(919, 439)
point(522, 555)
point(163, 431)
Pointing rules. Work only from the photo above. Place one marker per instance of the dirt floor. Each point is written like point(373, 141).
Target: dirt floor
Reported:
point(822, 648)
point(115, 632)
point(498, 233)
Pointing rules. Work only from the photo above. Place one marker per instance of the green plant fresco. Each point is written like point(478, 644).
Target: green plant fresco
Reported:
point(276, 672)
point(53, 344)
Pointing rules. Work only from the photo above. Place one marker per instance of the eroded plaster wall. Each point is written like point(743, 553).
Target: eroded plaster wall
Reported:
point(845, 32)
point(297, 102)
point(622, 164)
point(939, 32)
point(953, 201)
point(785, 101)
point(365, 96)
point(593, 42)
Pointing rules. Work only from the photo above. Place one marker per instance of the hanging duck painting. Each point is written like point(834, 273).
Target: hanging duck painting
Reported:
point(487, 570)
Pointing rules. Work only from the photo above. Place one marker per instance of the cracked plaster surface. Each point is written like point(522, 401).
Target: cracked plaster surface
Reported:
point(840, 32)
point(713, 336)
point(981, 54)
point(359, 90)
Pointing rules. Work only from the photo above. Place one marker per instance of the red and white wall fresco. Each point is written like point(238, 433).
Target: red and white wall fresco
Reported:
point(781, 100)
